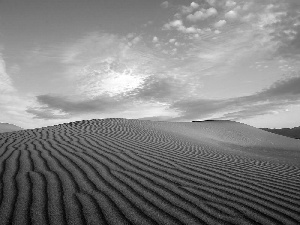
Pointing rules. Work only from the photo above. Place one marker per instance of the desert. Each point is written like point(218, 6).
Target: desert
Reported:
point(149, 112)
point(121, 171)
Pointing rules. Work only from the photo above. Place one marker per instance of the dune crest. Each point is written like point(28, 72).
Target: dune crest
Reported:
point(119, 171)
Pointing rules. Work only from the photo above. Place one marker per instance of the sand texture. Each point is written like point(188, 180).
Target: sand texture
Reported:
point(118, 171)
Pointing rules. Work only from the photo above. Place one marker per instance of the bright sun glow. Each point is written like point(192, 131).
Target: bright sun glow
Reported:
point(109, 77)
point(117, 83)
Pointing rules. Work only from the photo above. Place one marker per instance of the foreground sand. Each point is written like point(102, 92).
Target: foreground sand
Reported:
point(118, 171)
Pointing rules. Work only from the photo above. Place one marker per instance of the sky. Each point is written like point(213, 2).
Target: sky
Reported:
point(70, 60)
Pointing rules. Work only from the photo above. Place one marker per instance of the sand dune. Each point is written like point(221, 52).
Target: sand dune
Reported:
point(288, 132)
point(6, 127)
point(118, 171)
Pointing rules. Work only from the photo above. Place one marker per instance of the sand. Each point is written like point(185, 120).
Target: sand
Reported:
point(288, 132)
point(118, 171)
point(6, 127)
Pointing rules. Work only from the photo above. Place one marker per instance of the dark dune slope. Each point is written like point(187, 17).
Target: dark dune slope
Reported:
point(118, 171)
point(288, 132)
point(6, 127)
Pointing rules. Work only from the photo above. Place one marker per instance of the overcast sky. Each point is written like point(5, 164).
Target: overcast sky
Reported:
point(174, 60)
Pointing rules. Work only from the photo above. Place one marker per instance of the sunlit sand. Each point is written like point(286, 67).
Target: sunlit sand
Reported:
point(119, 171)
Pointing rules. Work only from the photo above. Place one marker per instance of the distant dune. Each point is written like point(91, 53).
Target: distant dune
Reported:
point(119, 171)
point(6, 127)
point(288, 132)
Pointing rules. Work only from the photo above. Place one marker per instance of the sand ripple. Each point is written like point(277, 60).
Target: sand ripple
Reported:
point(118, 171)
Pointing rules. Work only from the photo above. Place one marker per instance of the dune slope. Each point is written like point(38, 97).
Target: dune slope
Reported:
point(6, 127)
point(288, 132)
point(118, 171)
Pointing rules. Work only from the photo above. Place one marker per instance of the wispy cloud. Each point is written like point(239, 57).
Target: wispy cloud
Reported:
point(13, 105)
point(61, 107)
point(45, 113)
point(202, 14)
point(5, 80)
point(70, 105)
point(279, 95)
point(8, 96)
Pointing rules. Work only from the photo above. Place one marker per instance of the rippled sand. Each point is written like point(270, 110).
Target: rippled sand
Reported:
point(118, 171)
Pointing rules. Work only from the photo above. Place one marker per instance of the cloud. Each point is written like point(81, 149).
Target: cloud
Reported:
point(211, 12)
point(11, 104)
point(202, 14)
point(285, 25)
point(211, 2)
point(70, 105)
point(279, 95)
point(144, 103)
point(198, 108)
point(270, 32)
point(194, 5)
point(165, 4)
point(252, 111)
point(223, 53)
point(188, 9)
point(174, 24)
point(134, 41)
point(220, 23)
point(14, 105)
point(231, 15)
point(157, 118)
point(90, 45)
point(161, 89)
point(45, 114)
point(110, 78)
point(283, 88)
point(192, 30)
point(155, 39)
point(178, 25)
point(5, 80)
point(278, 21)
point(147, 24)
point(114, 74)
point(230, 3)
point(217, 54)
point(106, 64)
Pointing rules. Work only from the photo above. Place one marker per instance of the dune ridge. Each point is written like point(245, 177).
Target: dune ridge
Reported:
point(119, 171)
